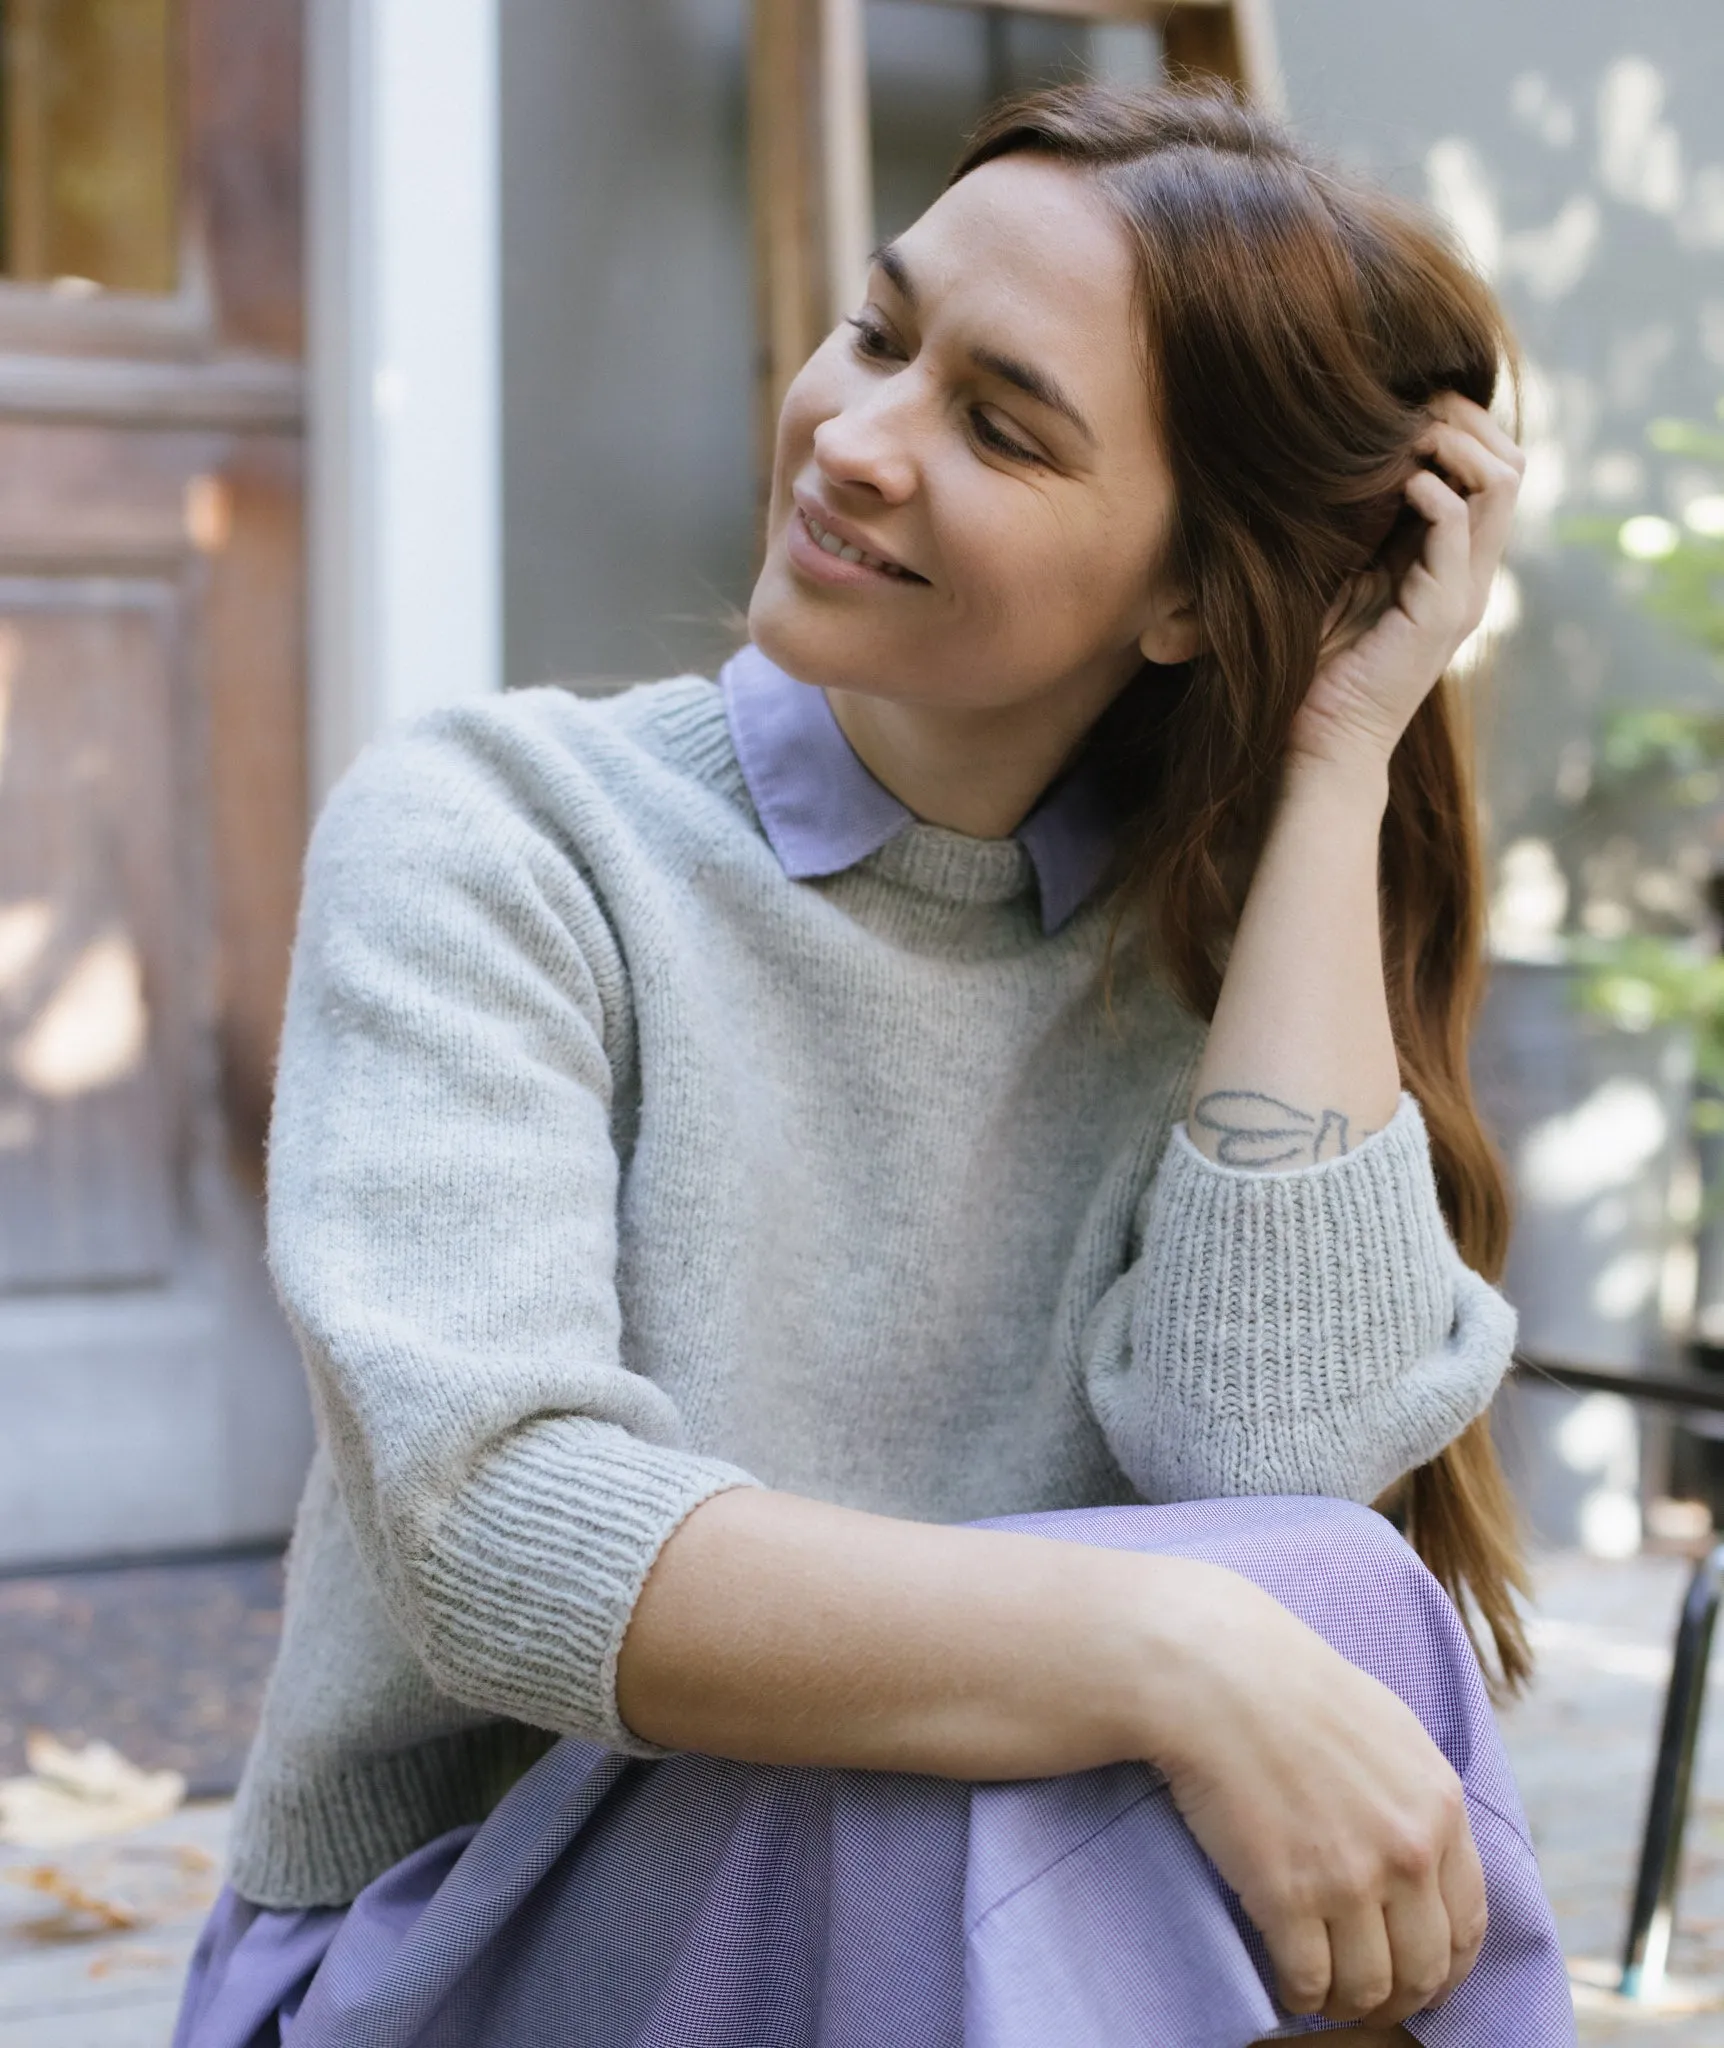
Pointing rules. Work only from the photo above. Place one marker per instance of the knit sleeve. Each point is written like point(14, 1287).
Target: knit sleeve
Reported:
point(1305, 1332)
point(442, 1223)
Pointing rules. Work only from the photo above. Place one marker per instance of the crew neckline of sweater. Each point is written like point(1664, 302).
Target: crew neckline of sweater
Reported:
point(823, 812)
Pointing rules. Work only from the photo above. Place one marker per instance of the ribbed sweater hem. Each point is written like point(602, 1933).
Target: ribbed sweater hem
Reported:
point(319, 1840)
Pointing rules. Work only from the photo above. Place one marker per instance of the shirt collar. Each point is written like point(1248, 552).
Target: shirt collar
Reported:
point(822, 811)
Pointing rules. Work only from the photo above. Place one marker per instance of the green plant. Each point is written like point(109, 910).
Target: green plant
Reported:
point(1638, 983)
point(1680, 563)
point(1685, 564)
point(1676, 758)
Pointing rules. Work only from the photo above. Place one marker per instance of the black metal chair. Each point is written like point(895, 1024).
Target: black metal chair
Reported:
point(1652, 1917)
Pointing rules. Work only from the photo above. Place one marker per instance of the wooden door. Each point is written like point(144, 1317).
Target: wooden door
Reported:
point(152, 762)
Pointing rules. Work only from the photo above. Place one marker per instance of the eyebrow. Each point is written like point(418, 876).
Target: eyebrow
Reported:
point(1013, 370)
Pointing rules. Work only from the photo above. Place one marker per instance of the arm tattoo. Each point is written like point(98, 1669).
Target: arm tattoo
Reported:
point(1264, 1132)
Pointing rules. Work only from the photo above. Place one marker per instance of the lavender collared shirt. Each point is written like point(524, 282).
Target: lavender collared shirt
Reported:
point(822, 811)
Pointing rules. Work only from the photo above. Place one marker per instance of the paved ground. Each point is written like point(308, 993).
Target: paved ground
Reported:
point(71, 1978)
point(166, 1662)
point(1582, 1746)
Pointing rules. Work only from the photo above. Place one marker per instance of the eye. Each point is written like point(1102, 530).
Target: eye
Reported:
point(872, 340)
point(991, 436)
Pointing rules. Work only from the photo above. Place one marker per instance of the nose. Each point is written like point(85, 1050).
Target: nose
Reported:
point(869, 445)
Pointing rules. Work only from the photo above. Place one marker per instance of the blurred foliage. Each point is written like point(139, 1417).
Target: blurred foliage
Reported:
point(1681, 566)
point(1686, 590)
point(1670, 756)
point(1684, 749)
point(1638, 983)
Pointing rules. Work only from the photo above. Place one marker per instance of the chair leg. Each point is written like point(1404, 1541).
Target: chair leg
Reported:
point(1653, 1916)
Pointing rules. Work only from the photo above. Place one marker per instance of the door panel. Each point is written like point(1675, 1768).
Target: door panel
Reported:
point(92, 1011)
point(152, 783)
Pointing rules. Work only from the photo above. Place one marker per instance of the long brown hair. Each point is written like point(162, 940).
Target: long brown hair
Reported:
point(1295, 328)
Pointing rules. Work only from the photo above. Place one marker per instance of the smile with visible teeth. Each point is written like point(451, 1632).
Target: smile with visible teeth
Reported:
point(848, 551)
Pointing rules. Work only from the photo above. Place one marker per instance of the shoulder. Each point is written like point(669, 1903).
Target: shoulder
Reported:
point(540, 767)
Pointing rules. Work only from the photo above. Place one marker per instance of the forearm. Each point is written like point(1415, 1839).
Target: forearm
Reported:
point(1300, 1061)
point(780, 1630)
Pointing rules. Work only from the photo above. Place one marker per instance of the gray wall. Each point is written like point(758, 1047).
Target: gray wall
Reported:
point(627, 299)
point(626, 318)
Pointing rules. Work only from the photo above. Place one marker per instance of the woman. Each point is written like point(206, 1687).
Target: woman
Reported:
point(724, 1142)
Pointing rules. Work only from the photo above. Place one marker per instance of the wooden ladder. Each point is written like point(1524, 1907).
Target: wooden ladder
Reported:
point(809, 167)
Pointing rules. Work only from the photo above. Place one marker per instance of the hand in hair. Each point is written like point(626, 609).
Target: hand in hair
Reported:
point(1372, 679)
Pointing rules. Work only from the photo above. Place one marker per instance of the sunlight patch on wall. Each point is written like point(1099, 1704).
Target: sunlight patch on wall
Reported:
point(1635, 374)
point(1551, 261)
point(1460, 189)
point(1625, 1285)
point(1617, 474)
point(1639, 153)
point(1599, 1438)
point(91, 1032)
point(1605, 1142)
point(1529, 904)
point(24, 929)
point(1701, 225)
point(1554, 415)
point(1542, 111)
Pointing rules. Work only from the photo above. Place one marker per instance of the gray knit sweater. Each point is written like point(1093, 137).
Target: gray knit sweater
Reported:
point(612, 1168)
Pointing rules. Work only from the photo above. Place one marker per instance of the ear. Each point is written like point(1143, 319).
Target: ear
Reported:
point(1173, 634)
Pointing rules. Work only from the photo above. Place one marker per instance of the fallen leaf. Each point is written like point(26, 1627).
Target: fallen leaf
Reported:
point(80, 1795)
point(129, 1959)
point(73, 1899)
point(114, 1889)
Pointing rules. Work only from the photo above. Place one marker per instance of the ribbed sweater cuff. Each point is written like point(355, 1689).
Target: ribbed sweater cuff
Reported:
point(1313, 1331)
point(533, 1575)
point(1328, 1277)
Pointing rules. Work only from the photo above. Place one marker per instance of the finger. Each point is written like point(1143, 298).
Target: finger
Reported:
point(1476, 419)
point(1491, 488)
point(1362, 1965)
point(1468, 461)
point(1447, 553)
point(1461, 1879)
point(1299, 1951)
point(1422, 1947)
point(1459, 559)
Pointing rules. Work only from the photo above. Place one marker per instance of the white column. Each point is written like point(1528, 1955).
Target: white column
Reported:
point(405, 495)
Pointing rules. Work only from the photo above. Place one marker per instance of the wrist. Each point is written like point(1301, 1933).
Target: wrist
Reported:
point(1354, 784)
point(1187, 1627)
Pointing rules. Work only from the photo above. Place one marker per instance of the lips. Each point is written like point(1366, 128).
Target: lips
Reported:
point(843, 543)
point(847, 550)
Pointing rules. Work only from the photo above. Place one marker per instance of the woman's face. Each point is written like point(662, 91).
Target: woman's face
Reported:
point(982, 432)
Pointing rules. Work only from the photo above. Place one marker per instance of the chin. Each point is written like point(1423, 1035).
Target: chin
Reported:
point(808, 640)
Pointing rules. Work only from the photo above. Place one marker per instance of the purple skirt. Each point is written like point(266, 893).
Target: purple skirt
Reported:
point(695, 1903)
